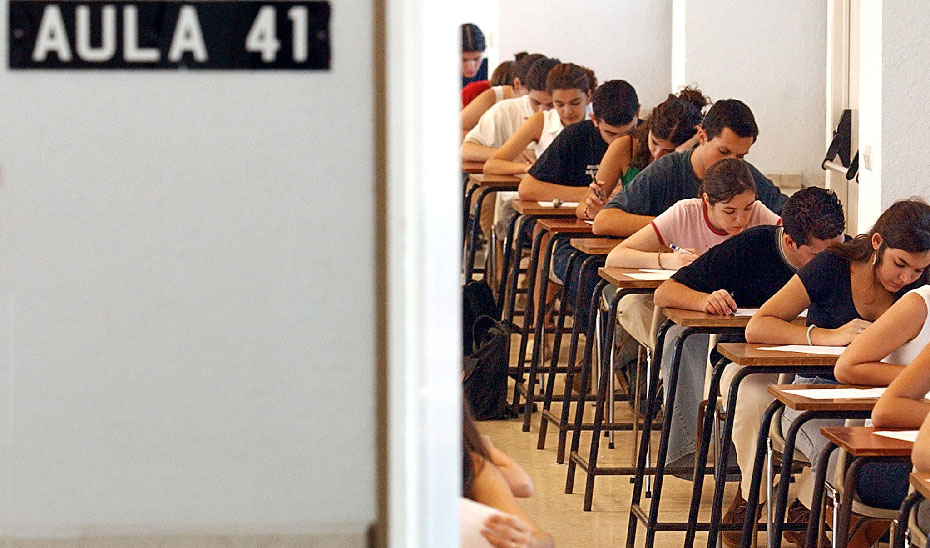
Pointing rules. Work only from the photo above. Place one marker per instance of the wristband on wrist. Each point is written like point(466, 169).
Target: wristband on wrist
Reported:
point(659, 260)
point(809, 329)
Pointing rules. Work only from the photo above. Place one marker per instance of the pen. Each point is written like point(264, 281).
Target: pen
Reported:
point(598, 194)
point(680, 249)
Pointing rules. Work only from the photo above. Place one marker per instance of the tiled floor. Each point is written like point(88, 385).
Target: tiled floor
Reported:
point(562, 516)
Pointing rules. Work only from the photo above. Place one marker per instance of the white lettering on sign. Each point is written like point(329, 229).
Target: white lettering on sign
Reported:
point(52, 36)
point(187, 37)
point(108, 42)
point(262, 37)
point(131, 50)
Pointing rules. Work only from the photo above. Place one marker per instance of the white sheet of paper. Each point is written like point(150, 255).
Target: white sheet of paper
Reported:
point(804, 349)
point(903, 435)
point(654, 275)
point(589, 222)
point(751, 311)
point(472, 516)
point(563, 205)
point(845, 393)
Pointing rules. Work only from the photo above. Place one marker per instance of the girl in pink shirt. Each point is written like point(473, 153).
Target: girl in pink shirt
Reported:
point(727, 206)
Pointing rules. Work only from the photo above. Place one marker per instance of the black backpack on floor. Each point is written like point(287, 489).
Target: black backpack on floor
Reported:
point(486, 348)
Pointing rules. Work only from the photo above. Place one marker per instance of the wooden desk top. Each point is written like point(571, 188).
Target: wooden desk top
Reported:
point(921, 483)
point(618, 277)
point(801, 403)
point(494, 180)
point(532, 207)
point(749, 354)
point(595, 246)
point(859, 441)
point(562, 225)
point(693, 318)
point(472, 167)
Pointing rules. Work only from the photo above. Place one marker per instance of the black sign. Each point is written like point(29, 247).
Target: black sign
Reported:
point(169, 35)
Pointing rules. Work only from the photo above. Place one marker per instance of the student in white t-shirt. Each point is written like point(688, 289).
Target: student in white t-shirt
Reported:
point(727, 206)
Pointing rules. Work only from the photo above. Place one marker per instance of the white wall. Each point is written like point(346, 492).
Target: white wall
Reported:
point(187, 283)
point(618, 39)
point(771, 55)
point(893, 116)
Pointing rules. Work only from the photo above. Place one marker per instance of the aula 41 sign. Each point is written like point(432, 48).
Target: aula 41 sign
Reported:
point(168, 35)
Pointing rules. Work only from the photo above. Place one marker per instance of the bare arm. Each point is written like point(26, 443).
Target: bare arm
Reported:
point(921, 453)
point(478, 106)
point(505, 160)
point(532, 188)
point(772, 323)
point(520, 483)
point(641, 250)
point(473, 152)
point(673, 294)
point(861, 361)
point(615, 163)
point(490, 488)
point(616, 222)
point(902, 405)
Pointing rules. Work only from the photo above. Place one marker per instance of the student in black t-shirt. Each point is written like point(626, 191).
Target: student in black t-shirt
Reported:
point(728, 131)
point(745, 271)
point(568, 166)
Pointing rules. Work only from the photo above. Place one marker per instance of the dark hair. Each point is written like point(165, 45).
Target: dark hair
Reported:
point(571, 76)
point(538, 71)
point(673, 120)
point(521, 66)
point(905, 226)
point(615, 102)
point(733, 114)
point(726, 178)
point(472, 38)
point(502, 75)
point(813, 212)
point(472, 445)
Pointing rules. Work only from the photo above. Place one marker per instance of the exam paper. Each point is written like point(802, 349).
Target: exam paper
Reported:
point(651, 274)
point(565, 205)
point(903, 435)
point(805, 349)
point(752, 311)
point(472, 516)
point(839, 393)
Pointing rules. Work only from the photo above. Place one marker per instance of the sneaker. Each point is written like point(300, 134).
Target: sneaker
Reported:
point(736, 513)
point(798, 513)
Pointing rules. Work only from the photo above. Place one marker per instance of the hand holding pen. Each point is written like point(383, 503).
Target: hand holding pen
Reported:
point(680, 258)
point(594, 201)
point(720, 302)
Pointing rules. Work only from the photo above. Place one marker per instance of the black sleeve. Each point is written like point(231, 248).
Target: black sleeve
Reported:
point(553, 165)
point(821, 275)
point(767, 192)
point(717, 268)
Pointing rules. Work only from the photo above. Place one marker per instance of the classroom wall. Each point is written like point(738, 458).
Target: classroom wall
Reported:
point(618, 39)
point(772, 56)
point(894, 121)
point(187, 287)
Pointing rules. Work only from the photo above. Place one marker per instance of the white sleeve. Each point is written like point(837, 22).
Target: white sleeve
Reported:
point(484, 133)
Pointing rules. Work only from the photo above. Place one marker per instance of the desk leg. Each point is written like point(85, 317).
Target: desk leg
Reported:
point(752, 497)
point(472, 248)
point(554, 360)
point(900, 527)
point(511, 249)
point(585, 374)
point(601, 401)
point(539, 335)
point(703, 450)
point(590, 262)
point(653, 402)
point(527, 318)
point(820, 478)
